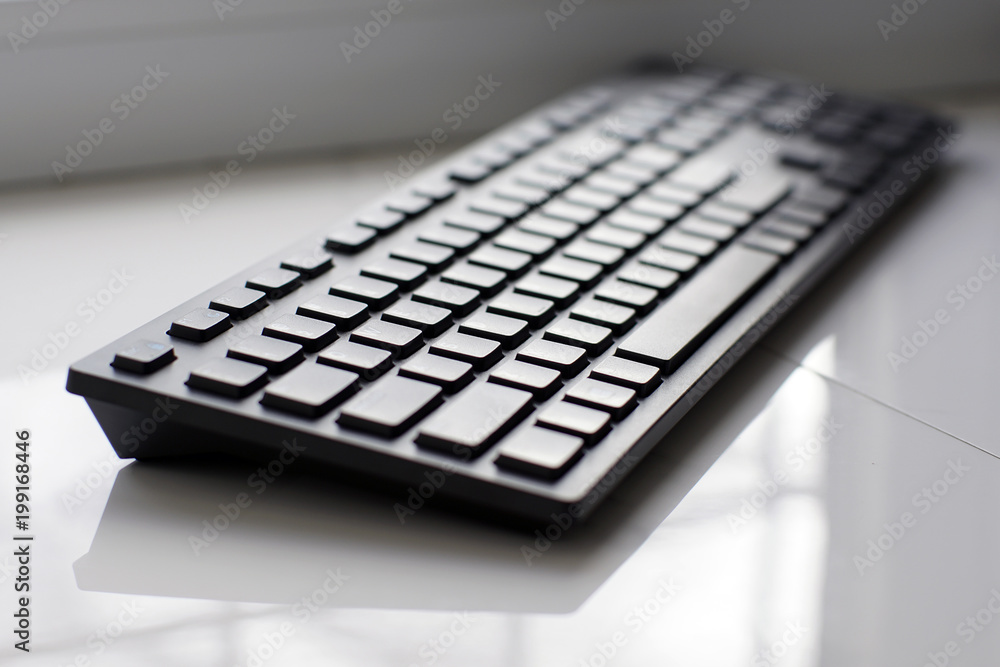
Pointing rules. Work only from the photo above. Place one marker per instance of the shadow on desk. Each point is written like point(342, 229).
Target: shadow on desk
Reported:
point(156, 536)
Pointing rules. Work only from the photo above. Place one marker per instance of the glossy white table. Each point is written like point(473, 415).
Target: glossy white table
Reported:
point(819, 507)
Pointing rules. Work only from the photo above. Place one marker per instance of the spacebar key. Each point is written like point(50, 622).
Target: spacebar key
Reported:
point(682, 322)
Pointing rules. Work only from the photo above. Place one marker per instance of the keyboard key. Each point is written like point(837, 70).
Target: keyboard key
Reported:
point(757, 193)
point(772, 243)
point(469, 171)
point(486, 281)
point(345, 313)
point(376, 293)
point(560, 291)
point(311, 334)
point(309, 266)
point(581, 195)
point(409, 204)
point(640, 377)
point(434, 257)
point(510, 262)
point(350, 239)
point(480, 352)
point(587, 423)
point(381, 220)
point(519, 192)
point(402, 341)
point(616, 400)
point(786, 228)
point(828, 200)
point(664, 258)
point(636, 222)
point(437, 189)
point(656, 208)
point(638, 173)
point(547, 180)
point(391, 406)
point(240, 302)
point(533, 310)
point(459, 300)
point(566, 359)
point(541, 382)
point(531, 244)
point(278, 356)
point(800, 213)
point(475, 419)
point(276, 283)
point(627, 294)
point(619, 186)
point(449, 374)
point(662, 280)
point(368, 362)
point(560, 230)
point(561, 209)
point(459, 240)
point(591, 337)
point(144, 357)
point(200, 325)
point(585, 273)
point(431, 320)
point(482, 223)
point(503, 208)
point(588, 251)
point(539, 452)
point(407, 275)
point(617, 318)
point(508, 331)
point(717, 212)
point(228, 377)
point(682, 322)
point(677, 239)
point(672, 193)
point(702, 175)
point(625, 239)
point(311, 390)
point(717, 231)
point(654, 157)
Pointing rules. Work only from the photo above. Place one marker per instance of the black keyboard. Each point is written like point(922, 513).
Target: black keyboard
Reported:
point(516, 327)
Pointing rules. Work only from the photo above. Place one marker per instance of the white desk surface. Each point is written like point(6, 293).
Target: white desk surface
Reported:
point(664, 575)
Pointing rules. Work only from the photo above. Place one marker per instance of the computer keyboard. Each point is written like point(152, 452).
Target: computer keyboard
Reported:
point(515, 327)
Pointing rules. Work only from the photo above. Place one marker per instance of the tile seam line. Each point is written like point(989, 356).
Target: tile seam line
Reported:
point(877, 401)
